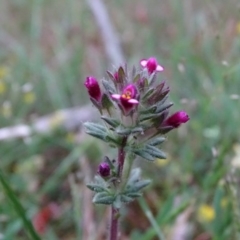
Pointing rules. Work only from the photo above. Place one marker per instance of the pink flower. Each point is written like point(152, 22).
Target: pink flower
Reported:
point(128, 98)
point(177, 119)
point(151, 64)
point(93, 88)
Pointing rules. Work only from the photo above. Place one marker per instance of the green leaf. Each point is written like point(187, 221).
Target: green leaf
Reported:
point(151, 116)
point(111, 77)
point(149, 110)
point(152, 79)
point(144, 155)
point(137, 130)
point(90, 126)
point(18, 208)
point(156, 141)
point(121, 75)
point(110, 163)
point(134, 194)
point(134, 176)
point(98, 179)
point(106, 102)
point(111, 121)
point(155, 152)
point(123, 131)
point(96, 130)
point(126, 199)
point(147, 94)
point(96, 104)
point(140, 185)
point(113, 139)
point(101, 136)
point(96, 187)
point(108, 86)
point(103, 198)
point(117, 203)
point(171, 216)
point(136, 78)
point(164, 107)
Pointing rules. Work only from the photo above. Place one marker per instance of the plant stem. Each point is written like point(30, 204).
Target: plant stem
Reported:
point(115, 211)
point(121, 157)
point(114, 224)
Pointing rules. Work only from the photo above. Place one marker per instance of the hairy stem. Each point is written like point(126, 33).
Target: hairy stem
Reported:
point(114, 224)
point(115, 211)
point(121, 157)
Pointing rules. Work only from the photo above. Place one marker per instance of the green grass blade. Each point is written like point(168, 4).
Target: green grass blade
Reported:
point(151, 218)
point(18, 208)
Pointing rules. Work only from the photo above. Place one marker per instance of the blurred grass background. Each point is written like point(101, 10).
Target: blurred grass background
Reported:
point(47, 48)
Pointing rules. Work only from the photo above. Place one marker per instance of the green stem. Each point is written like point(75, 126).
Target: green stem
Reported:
point(151, 218)
point(115, 211)
point(127, 170)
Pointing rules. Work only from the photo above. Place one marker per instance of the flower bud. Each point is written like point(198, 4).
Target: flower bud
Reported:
point(151, 64)
point(93, 88)
point(104, 169)
point(177, 119)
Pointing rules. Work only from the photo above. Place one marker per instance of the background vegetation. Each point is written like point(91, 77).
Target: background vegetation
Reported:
point(48, 47)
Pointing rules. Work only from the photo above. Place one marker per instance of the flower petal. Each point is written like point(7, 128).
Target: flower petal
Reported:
point(116, 96)
point(159, 68)
point(143, 62)
point(133, 101)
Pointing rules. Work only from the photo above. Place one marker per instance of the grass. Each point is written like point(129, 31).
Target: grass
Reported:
point(47, 48)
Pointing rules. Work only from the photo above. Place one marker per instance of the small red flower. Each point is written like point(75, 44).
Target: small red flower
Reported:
point(177, 119)
point(128, 98)
point(44, 216)
point(104, 169)
point(151, 64)
point(93, 88)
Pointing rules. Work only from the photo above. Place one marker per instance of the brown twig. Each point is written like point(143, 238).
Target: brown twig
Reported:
point(109, 35)
point(68, 119)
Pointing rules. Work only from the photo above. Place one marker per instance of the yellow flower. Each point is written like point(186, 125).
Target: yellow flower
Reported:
point(162, 162)
point(3, 87)
point(3, 71)
point(29, 97)
point(206, 213)
point(238, 27)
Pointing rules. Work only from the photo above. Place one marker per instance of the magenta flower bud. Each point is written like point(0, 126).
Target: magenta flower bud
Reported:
point(177, 119)
point(151, 64)
point(104, 169)
point(128, 98)
point(93, 88)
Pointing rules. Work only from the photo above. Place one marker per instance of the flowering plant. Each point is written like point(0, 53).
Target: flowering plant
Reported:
point(135, 112)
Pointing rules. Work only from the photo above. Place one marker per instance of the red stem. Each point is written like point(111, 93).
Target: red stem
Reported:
point(115, 211)
point(114, 224)
point(121, 157)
